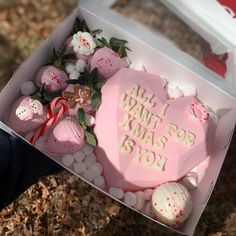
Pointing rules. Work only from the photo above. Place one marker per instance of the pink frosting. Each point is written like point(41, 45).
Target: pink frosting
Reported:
point(53, 78)
point(26, 115)
point(125, 170)
point(107, 61)
point(66, 137)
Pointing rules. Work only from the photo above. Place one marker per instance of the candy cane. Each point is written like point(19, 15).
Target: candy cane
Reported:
point(54, 113)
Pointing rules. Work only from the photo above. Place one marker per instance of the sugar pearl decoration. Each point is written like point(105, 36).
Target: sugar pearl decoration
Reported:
point(171, 203)
point(70, 68)
point(89, 120)
point(130, 199)
point(139, 200)
point(27, 88)
point(138, 67)
point(188, 90)
point(80, 65)
point(79, 167)
point(67, 160)
point(100, 182)
point(190, 180)
point(79, 156)
point(117, 192)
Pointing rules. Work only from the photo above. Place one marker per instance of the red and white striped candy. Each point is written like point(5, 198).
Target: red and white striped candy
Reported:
point(57, 108)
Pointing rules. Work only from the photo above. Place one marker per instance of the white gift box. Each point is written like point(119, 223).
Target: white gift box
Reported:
point(160, 57)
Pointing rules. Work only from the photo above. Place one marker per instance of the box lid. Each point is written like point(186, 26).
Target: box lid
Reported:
point(215, 21)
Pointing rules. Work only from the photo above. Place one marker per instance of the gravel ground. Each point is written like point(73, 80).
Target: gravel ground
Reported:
point(62, 204)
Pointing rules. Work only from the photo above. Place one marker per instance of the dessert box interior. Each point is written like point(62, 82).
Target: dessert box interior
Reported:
point(159, 57)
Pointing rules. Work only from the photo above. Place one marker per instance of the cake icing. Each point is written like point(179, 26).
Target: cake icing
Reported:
point(154, 140)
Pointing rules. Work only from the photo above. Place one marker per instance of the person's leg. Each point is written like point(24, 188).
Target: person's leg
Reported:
point(21, 165)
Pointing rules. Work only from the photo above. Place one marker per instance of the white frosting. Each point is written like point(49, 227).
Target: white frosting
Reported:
point(117, 192)
point(174, 91)
point(27, 88)
point(171, 203)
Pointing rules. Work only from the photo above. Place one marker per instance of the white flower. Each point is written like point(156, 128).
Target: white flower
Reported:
point(83, 43)
point(74, 75)
point(70, 68)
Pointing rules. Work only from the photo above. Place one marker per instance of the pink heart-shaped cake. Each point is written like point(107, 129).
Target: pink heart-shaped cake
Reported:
point(144, 139)
point(26, 115)
point(66, 137)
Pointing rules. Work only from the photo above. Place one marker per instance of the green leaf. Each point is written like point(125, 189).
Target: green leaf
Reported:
point(95, 32)
point(90, 138)
point(104, 43)
point(96, 101)
point(81, 117)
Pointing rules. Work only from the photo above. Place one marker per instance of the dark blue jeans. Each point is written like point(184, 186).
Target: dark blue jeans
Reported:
point(20, 166)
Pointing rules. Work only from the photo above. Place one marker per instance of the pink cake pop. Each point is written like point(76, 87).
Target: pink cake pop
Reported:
point(27, 114)
point(53, 78)
point(107, 61)
point(66, 137)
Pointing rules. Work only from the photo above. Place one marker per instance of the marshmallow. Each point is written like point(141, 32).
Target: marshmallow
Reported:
point(74, 75)
point(96, 169)
point(90, 160)
point(126, 62)
point(130, 199)
point(140, 200)
point(70, 68)
point(99, 181)
point(148, 194)
point(174, 91)
point(27, 88)
point(138, 67)
point(147, 210)
point(190, 180)
point(67, 160)
point(87, 149)
point(89, 120)
point(79, 156)
point(164, 80)
point(79, 168)
point(117, 192)
point(88, 175)
point(188, 90)
point(80, 65)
